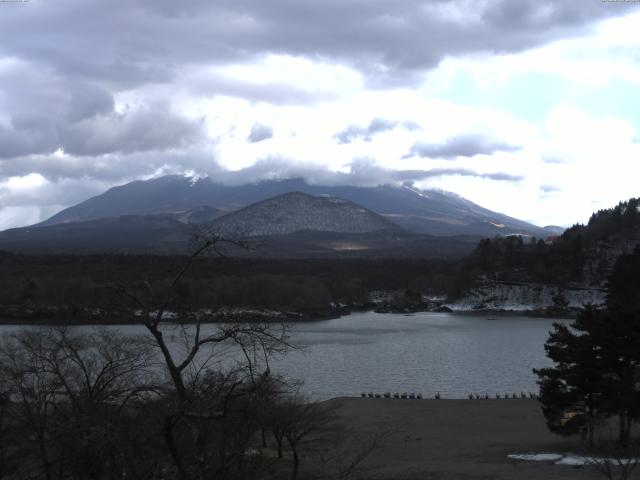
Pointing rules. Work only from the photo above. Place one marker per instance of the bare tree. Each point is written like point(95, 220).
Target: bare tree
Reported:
point(8, 463)
point(33, 393)
point(189, 350)
point(613, 461)
point(344, 453)
point(300, 420)
point(68, 392)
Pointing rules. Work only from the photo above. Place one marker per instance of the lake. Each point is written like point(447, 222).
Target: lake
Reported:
point(454, 354)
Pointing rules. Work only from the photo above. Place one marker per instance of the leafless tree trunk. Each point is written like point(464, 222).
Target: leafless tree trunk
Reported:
point(67, 390)
point(187, 371)
point(613, 461)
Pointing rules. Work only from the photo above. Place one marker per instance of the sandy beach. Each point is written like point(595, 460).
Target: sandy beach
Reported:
point(458, 439)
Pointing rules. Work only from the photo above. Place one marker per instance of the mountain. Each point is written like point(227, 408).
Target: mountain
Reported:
point(295, 211)
point(292, 225)
point(152, 233)
point(423, 211)
point(202, 214)
point(125, 234)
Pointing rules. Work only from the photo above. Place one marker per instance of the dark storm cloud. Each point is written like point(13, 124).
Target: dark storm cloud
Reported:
point(461, 146)
point(49, 112)
point(377, 125)
point(143, 129)
point(125, 43)
point(28, 133)
point(259, 133)
point(87, 101)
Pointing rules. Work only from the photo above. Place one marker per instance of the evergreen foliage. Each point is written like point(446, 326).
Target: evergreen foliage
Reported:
point(553, 260)
point(596, 372)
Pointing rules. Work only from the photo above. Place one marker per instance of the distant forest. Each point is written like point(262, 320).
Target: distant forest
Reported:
point(71, 284)
point(583, 254)
point(65, 287)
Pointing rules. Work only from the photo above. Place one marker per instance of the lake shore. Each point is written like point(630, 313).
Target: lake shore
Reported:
point(56, 316)
point(457, 439)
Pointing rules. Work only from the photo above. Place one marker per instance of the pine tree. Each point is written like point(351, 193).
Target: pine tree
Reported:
point(596, 372)
point(622, 342)
point(571, 391)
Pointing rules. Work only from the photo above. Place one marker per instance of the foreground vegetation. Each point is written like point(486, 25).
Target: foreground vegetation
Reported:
point(182, 402)
point(596, 373)
point(103, 405)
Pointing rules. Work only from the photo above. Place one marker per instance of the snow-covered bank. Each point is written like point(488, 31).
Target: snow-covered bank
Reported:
point(521, 297)
point(571, 459)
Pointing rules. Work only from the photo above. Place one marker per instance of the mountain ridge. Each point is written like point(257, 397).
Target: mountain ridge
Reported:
point(423, 211)
point(293, 224)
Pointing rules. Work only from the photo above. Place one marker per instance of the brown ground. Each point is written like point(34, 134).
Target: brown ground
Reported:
point(457, 439)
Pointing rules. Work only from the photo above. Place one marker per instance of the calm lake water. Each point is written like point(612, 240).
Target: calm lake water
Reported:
point(453, 354)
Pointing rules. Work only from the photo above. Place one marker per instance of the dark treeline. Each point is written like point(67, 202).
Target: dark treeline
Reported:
point(309, 287)
point(596, 371)
point(582, 254)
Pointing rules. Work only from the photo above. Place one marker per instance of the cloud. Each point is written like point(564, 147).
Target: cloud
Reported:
point(377, 125)
point(360, 172)
point(88, 101)
point(259, 133)
point(367, 172)
point(28, 133)
point(148, 128)
point(549, 189)
point(209, 84)
point(468, 145)
point(113, 167)
point(154, 40)
point(553, 160)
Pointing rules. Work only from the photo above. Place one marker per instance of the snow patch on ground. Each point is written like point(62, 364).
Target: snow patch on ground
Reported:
point(570, 459)
point(529, 457)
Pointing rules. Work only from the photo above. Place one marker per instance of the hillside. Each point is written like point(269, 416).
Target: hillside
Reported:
point(124, 234)
point(572, 269)
point(582, 254)
point(430, 212)
point(296, 211)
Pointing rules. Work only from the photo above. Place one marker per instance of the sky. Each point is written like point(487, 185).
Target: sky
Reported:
point(529, 108)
